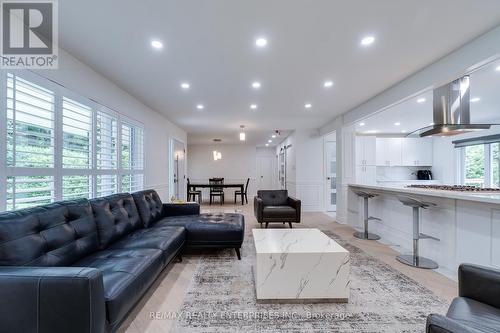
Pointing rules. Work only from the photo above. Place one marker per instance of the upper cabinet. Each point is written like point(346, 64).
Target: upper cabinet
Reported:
point(365, 150)
point(417, 152)
point(388, 151)
point(404, 152)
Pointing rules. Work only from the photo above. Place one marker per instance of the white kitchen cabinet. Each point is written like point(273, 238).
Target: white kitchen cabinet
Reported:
point(417, 152)
point(388, 151)
point(365, 150)
point(366, 174)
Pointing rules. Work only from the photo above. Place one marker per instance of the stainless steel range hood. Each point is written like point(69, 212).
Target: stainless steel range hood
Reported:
point(451, 111)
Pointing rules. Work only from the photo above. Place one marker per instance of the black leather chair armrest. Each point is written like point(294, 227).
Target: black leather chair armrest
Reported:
point(174, 209)
point(295, 203)
point(479, 283)
point(441, 324)
point(258, 208)
point(51, 300)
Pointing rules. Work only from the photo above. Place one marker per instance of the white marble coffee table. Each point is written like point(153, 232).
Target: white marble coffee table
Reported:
point(300, 264)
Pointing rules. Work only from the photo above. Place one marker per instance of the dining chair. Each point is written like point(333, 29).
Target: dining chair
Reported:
point(216, 191)
point(244, 193)
point(193, 193)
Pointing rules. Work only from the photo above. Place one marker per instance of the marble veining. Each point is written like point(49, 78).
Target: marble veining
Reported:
point(310, 265)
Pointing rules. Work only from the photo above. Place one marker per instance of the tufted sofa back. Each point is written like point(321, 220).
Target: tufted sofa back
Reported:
point(116, 216)
point(273, 197)
point(149, 205)
point(53, 235)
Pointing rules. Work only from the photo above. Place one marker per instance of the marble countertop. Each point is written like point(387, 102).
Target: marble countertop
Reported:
point(294, 241)
point(483, 197)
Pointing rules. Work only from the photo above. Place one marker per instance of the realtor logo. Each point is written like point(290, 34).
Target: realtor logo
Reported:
point(29, 34)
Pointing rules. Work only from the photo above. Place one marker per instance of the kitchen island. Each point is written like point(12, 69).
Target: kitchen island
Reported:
point(467, 223)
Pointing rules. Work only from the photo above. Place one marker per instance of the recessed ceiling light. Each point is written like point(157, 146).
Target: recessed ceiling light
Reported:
point(421, 100)
point(403, 131)
point(185, 85)
point(308, 105)
point(156, 44)
point(368, 40)
point(475, 99)
point(267, 144)
point(328, 84)
point(397, 123)
point(269, 141)
point(256, 85)
point(200, 106)
point(253, 106)
point(273, 136)
point(261, 42)
point(431, 124)
point(362, 124)
point(497, 69)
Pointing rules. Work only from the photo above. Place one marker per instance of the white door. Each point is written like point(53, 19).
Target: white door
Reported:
point(178, 164)
point(331, 175)
point(265, 172)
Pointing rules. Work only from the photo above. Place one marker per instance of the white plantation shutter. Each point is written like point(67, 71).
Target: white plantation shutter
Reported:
point(74, 187)
point(106, 141)
point(106, 185)
point(30, 124)
point(28, 191)
point(58, 147)
point(77, 135)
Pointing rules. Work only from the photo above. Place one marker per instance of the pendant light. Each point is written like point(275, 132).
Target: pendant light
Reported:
point(242, 133)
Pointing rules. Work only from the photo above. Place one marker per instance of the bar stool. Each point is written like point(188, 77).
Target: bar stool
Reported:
point(365, 234)
point(415, 259)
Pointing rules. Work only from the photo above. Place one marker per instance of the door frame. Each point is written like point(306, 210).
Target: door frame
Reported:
point(171, 166)
point(326, 167)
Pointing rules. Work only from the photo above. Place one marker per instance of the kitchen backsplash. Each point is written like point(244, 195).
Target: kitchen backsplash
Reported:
point(398, 173)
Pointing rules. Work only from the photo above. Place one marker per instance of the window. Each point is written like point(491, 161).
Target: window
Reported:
point(77, 135)
point(30, 124)
point(60, 146)
point(481, 165)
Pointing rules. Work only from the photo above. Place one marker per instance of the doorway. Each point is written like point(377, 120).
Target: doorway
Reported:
point(265, 172)
point(178, 169)
point(330, 149)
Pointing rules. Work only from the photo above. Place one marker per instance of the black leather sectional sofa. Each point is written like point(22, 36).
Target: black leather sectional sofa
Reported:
point(81, 266)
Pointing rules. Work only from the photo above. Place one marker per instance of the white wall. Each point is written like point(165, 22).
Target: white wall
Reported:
point(237, 164)
point(305, 168)
point(86, 82)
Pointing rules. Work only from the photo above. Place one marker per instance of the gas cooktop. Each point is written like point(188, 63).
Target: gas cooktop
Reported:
point(458, 188)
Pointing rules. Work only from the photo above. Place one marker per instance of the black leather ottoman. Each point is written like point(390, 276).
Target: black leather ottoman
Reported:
point(210, 230)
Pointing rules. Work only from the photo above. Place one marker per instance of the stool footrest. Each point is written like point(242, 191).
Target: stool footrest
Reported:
point(424, 236)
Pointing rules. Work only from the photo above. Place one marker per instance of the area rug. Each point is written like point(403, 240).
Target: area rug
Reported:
point(221, 298)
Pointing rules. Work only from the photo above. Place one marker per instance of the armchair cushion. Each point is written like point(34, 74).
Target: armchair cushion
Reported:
point(440, 324)
point(284, 212)
point(273, 197)
point(479, 283)
point(473, 314)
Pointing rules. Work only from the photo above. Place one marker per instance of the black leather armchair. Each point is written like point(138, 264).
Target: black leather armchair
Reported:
point(271, 206)
point(477, 309)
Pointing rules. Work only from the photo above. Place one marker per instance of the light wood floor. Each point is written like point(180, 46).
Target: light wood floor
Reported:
point(168, 292)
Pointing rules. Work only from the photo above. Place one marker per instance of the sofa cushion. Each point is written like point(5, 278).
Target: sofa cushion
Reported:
point(474, 314)
point(273, 197)
point(209, 229)
point(149, 206)
point(57, 234)
point(116, 216)
point(127, 273)
point(285, 212)
point(167, 239)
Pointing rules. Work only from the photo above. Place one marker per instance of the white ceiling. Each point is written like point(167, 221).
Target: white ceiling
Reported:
point(210, 44)
point(484, 84)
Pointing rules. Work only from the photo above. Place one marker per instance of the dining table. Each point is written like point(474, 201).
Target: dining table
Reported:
point(194, 186)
